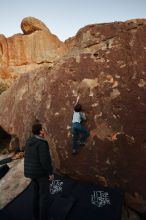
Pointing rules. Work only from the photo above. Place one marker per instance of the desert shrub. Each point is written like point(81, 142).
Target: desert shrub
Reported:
point(3, 87)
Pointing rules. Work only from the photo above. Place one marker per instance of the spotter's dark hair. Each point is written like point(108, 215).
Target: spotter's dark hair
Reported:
point(36, 128)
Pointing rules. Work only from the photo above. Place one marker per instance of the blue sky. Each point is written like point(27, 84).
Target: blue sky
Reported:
point(65, 17)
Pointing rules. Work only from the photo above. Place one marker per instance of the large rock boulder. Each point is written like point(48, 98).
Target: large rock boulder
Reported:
point(31, 24)
point(25, 52)
point(105, 66)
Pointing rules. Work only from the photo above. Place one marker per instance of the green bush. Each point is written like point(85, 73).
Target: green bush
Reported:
point(3, 87)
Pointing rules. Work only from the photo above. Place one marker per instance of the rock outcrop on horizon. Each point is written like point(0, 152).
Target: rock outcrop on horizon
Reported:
point(35, 48)
point(31, 24)
point(105, 66)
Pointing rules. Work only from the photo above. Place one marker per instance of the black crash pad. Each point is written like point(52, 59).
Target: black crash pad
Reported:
point(70, 200)
point(6, 160)
point(3, 170)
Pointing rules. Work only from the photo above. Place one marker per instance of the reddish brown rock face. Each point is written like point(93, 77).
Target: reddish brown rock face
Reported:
point(105, 66)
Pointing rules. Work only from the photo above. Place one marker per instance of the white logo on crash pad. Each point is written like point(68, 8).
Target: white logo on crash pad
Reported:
point(56, 186)
point(100, 198)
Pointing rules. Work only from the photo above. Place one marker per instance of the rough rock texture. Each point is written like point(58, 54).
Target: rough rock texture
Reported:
point(13, 183)
point(21, 53)
point(31, 24)
point(128, 214)
point(105, 66)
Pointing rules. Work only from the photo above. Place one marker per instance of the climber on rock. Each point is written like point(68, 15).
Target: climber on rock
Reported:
point(78, 130)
